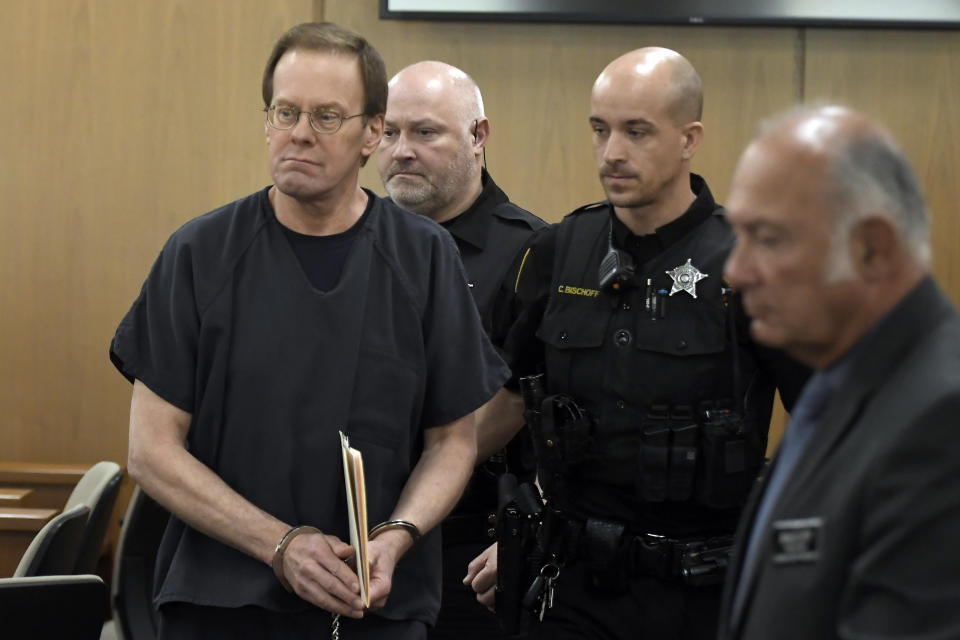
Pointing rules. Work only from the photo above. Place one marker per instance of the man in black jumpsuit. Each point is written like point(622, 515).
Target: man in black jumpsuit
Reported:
point(270, 324)
point(430, 160)
point(661, 401)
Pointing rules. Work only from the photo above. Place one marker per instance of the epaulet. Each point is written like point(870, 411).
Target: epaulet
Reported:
point(593, 206)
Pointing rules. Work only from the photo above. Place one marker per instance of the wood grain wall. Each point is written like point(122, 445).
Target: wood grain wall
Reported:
point(910, 80)
point(536, 79)
point(121, 120)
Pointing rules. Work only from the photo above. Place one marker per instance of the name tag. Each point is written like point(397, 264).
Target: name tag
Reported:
point(797, 540)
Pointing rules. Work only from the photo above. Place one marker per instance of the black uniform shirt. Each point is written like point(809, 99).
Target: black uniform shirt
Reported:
point(524, 352)
point(489, 235)
point(594, 386)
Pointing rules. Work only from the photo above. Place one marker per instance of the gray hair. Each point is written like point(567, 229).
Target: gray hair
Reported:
point(867, 173)
point(870, 174)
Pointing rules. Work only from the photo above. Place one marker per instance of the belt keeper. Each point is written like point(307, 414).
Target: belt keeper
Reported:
point(282, 548)
point(406, 525)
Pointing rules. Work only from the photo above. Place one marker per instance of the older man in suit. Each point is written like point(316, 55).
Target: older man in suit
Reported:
point(853, 533)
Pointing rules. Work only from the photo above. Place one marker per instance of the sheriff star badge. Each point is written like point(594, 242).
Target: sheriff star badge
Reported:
point(685, 278)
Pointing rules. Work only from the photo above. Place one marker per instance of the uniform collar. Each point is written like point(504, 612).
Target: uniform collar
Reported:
point(472, 225)
point(701, 209)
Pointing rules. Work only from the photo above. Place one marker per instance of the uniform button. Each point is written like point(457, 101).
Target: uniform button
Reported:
point(681, 345)
point(622, 338)
point(492, 518)
point(491, 533)
point(563, 336)
point(621, 404)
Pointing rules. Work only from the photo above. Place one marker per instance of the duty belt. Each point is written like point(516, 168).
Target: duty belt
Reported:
point(694, 561)
point(669, 559)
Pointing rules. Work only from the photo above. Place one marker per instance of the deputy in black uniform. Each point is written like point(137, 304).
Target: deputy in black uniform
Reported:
point(657, 405)
point(430, 163)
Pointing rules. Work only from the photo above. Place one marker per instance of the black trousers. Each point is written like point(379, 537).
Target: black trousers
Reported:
point(461, 616)
point(649, 609)
point(184, 621)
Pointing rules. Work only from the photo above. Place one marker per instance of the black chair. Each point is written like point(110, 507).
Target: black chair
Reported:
point(56, 547)
point(48, 607)
point(134, 617)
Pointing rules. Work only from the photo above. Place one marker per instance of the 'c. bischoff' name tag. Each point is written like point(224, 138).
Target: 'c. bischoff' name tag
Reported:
point(797, 540)
point(577, 291)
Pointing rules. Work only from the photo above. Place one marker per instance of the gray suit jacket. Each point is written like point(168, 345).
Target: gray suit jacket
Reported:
point(864, 541)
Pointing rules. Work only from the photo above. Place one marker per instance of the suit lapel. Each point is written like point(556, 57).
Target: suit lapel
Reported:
point(740, 548)
point(918, 312)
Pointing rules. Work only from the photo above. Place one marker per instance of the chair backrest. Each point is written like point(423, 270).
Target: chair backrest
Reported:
point(54, 550)
point(132, 591)
point(53, 607)
point(97, 490)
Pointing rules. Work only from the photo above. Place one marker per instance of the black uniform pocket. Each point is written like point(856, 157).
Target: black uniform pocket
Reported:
point(729, 466)
point(679, 360)
point(689, 326)
point(573, 333)
point(669, 455)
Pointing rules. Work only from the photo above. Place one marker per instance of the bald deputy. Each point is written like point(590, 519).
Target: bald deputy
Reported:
point(430, 160)
point(657, 406)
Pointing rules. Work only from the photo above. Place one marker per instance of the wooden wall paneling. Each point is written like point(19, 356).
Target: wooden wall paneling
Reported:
point(121, 120)
point(15, 497)
point(910, 81)
point(536, 81)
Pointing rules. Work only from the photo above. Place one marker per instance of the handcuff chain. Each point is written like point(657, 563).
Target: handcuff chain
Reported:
point(335, 627)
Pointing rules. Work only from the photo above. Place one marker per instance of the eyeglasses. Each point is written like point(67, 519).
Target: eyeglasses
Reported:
point(281, 116)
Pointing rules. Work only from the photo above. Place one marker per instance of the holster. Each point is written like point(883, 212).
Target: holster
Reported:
point(518, 555)
point(601, 546)
point(561, 433)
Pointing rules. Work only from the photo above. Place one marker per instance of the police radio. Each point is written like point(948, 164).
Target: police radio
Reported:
point(617, 266)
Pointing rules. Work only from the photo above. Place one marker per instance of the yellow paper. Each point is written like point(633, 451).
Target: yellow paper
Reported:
point(357, 512)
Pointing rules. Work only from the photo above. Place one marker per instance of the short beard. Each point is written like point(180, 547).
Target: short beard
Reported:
point(439, 190)
point(410, 196)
